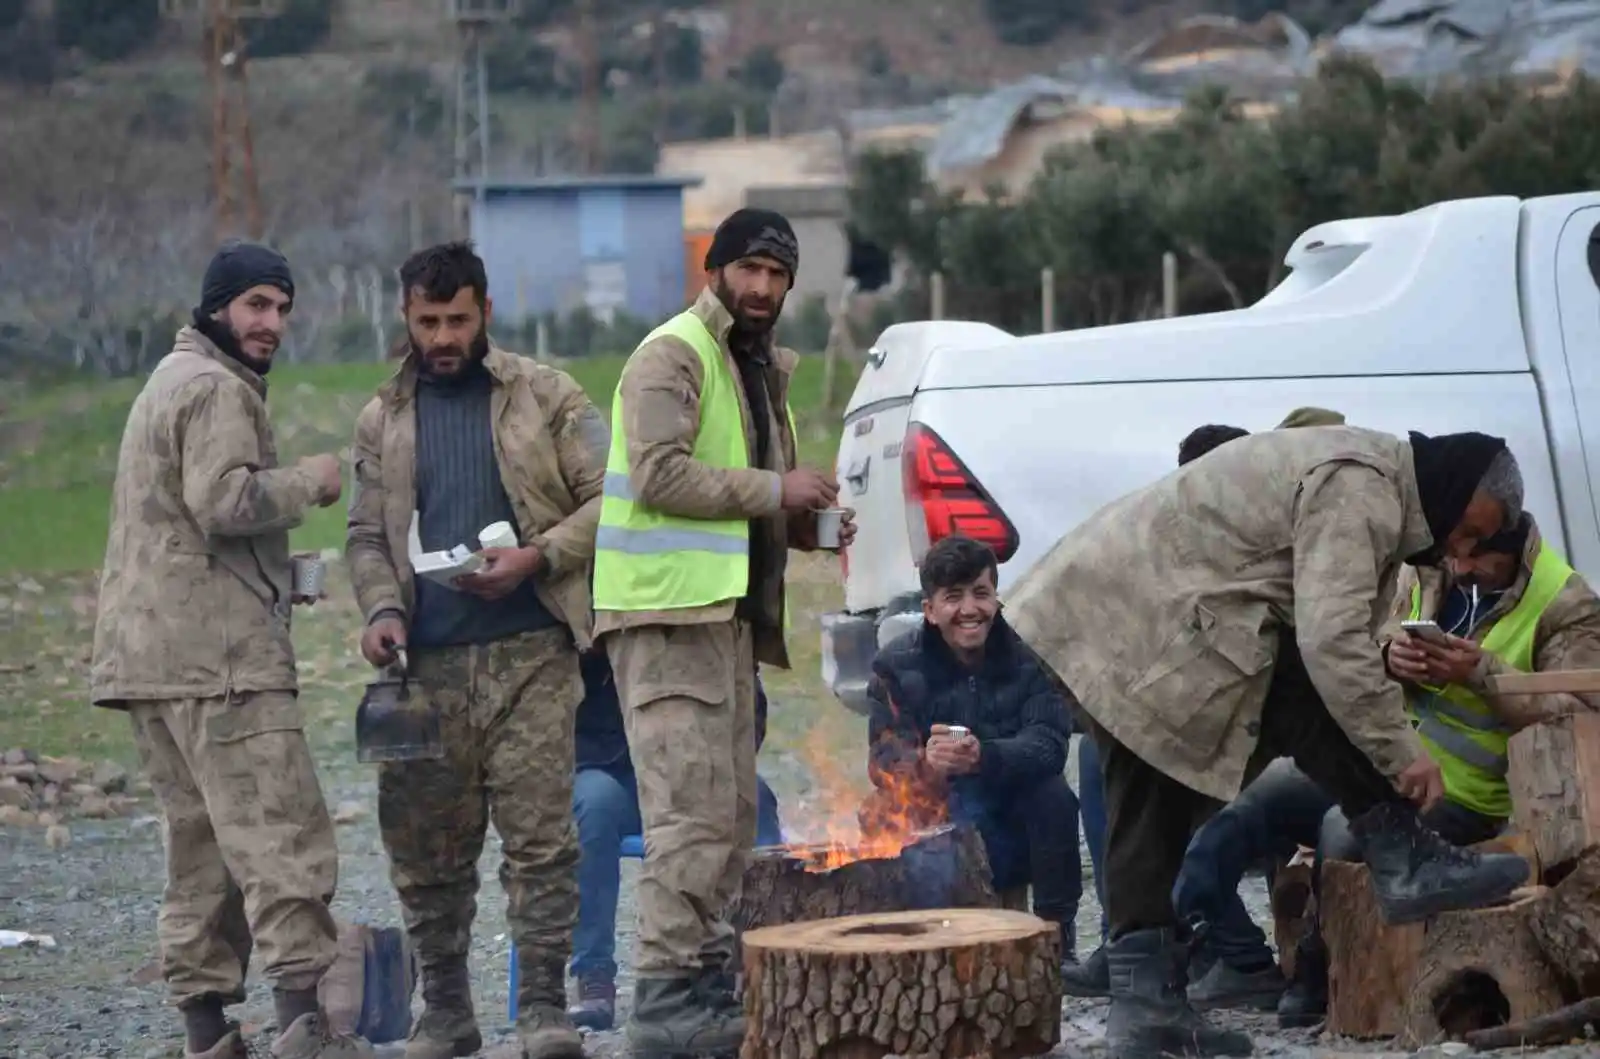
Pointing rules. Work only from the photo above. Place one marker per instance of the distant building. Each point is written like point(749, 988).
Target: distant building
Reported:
point(612, 243)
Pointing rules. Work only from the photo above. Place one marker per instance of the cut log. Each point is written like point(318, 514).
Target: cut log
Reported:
point(1554, 775)
point(1567, 927)
point(1554, 1028)
point(942, 867)
point(946, 984)
point(1293, 912)
point(1442, 978)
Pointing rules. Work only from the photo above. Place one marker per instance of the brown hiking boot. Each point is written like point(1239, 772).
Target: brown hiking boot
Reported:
point(310, 1037)
point(546, 1032)
point(230, 1047)
point(448, 1027)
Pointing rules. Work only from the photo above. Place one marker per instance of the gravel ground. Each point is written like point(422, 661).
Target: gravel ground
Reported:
point(96, 995)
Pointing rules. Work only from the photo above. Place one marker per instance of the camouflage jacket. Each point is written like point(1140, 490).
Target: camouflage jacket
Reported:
point(1161, 611)
point(660, 390)
point(1566, 637)
point(194, 595)
point(550, 445)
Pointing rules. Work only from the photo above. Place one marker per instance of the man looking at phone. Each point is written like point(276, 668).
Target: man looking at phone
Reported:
point(1512, 605)
point(1225, 616)
point(964, 719)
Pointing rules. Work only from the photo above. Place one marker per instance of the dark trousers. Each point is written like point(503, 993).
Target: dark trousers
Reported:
point(1030, 835)
point(1151, 817)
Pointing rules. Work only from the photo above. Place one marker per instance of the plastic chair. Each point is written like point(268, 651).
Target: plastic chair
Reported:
point(632, 846)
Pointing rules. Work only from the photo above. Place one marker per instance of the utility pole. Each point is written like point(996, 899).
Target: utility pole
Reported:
point(236, 188)
point(473, 19)
point(589, 103)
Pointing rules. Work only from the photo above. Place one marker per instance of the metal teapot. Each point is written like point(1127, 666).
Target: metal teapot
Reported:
point(392, 724)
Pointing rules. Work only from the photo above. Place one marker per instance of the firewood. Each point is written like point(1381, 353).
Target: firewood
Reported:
point(944, 983)
point(1567, 927)
point(942, 867)
point(1293, 911)
point(1441, 978)
point(1554, 775)
point(1558, 1026)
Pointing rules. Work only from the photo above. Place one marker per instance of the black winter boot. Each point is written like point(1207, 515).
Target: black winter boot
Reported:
point(682, 1018)
point(448, 1026)
point(1090, 979)
point(1305, 1002)
point(1417, 874)
point(1069, 944)
point(1150, 1016)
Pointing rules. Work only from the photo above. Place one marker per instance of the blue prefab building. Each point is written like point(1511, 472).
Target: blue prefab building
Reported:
point(555, 244)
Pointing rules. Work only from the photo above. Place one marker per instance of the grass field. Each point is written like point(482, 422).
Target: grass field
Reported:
point(58, 451)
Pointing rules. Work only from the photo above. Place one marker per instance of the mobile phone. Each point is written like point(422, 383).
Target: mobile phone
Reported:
point(1426, 630)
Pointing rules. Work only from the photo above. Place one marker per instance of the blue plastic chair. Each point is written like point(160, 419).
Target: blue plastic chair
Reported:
point(632, 846)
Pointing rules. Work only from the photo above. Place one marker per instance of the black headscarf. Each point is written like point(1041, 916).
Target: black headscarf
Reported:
point(1449, 469)
point(236, 268)
point(755, 233)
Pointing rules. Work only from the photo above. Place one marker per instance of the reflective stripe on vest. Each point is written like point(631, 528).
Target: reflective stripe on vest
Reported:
point(648, 560)
point(1460, 731)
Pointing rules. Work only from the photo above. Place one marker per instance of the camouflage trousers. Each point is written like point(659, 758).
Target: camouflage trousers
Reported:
point(250, 846)
point(506, 714)
point(688, 703)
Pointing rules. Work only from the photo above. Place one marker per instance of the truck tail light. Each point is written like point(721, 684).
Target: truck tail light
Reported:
point(943, 498)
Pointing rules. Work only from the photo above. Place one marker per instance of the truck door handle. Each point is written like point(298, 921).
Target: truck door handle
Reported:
point(857, 475)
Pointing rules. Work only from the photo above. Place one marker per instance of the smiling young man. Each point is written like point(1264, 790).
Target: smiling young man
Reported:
point(192, 640)
point(965, 669)
point(465, 435)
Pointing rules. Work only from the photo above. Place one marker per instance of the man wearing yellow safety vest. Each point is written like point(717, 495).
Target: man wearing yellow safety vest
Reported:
point(1513, 606)
point(702, 501)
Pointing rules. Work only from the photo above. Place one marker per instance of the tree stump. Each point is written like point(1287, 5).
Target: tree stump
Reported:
point(1567, 926)
point(1554, 775)
point(1444, 977)
point(946, 983)
point(941, 867)
point(1293, 911)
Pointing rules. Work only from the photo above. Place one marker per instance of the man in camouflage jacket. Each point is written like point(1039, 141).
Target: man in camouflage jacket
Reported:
point(1224, 616)
point(192, 640)
point(466, 435)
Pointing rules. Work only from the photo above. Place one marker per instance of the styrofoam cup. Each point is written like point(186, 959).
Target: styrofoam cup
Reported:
point(498, 535)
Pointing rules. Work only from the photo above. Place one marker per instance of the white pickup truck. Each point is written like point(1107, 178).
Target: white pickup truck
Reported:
point(1476, 314)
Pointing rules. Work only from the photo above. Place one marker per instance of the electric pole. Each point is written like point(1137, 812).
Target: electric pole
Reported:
point(473, 19)
point(589, 103)
point(236, 188)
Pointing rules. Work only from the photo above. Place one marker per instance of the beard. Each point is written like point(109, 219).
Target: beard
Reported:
point(739, 308)
point(428, 358)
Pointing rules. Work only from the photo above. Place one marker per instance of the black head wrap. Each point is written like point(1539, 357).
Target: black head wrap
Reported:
point(1449, 469)
point(755, 233)
point(236, 268)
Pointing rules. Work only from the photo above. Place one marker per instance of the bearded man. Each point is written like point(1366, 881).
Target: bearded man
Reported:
point(703, 500)
point(192, 640)
point(466, 435)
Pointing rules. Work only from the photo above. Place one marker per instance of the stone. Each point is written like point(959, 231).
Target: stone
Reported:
point(26, 772)
point(110, 777)
point(349, 813)
point(14, 793)
point(17, 756)
point(11, 816)
point(95, 806)
point(60, 771)
point(57, 836)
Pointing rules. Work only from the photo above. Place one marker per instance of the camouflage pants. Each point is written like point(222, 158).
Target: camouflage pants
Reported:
point(506, 716)
point(688, 704)
point(250, 846)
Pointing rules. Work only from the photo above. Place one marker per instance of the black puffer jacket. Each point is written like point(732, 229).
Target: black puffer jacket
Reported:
point(1010, 703)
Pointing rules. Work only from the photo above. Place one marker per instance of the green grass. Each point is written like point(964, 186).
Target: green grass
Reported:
point(58, 452)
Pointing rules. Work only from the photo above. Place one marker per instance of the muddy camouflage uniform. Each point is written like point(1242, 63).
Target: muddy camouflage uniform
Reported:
point(192, 639)
point(686, 677)
point(507, 707)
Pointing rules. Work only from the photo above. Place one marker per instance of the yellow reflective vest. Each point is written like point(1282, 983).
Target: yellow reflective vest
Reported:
point(1458, 728)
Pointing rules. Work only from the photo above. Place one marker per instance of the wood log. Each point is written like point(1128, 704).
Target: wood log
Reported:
point(944, 984)
point(1441, 978)
point(1554, 1028)
point(1293, 912)
point(944, 867)
point(1554, 775)
point(1567, 927)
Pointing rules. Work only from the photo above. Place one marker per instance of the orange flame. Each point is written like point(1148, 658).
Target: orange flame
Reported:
point(879, 826)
